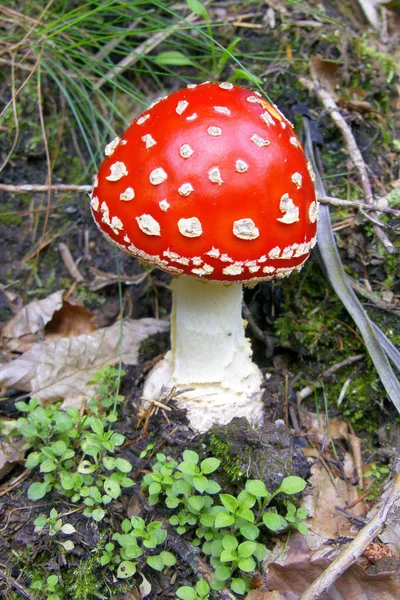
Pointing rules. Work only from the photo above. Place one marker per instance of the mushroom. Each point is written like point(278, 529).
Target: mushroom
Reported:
point(212, 185)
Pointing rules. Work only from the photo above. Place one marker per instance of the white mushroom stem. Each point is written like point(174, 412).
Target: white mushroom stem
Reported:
point(209, 353)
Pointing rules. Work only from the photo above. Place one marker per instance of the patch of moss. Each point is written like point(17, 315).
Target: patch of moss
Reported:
point(229, 463)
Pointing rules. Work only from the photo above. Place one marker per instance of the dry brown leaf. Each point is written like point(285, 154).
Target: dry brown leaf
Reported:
point(319, 431)
point(264, 595)
point(51, 317)
point(10, 455)
point(27, 326)
point(326, 493)
point(71, 320)
point(54, 370)
point(294, 572)
point(324, 71)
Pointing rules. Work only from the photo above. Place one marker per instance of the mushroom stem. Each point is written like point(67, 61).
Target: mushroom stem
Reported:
point(210, 354)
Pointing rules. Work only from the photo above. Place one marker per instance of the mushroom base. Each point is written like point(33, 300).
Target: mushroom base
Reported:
point(210, 355)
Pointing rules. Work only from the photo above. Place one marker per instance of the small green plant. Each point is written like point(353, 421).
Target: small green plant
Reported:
point(53, 525)
point(136, 541)
point(378, 474)
point(201, 591)
point(49, 586)
point(73, 453)
point(224, 526)
point(146, 451)
point(107, 397)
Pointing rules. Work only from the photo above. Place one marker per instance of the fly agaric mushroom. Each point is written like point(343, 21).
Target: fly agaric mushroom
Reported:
point(212, 185)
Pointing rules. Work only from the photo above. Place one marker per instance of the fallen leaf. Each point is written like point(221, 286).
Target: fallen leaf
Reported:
point(27, 326)
point(71, 320)
point(59, 369)
point(324, 71)
point(325, 494)
point(10, 455)
point(264, 595)
point(298, 567)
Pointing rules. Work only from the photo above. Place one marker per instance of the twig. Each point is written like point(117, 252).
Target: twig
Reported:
point(354, 152)
point(355, 549)
point(357, 204)
point(10, 581)
point(372, 296)
point(309, 390)
point(69, 262)
point(257, 332)
point(37, 188)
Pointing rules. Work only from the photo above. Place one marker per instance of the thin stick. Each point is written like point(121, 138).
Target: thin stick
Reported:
point(38, 188)
point(354, 152)
point(69, 262)
point(355, 549)
point(11, 582)
point(309, 390)
point(356, 204)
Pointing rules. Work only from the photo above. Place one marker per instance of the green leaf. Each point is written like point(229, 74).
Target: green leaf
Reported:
point(174, 58)
point(38, 490)
point(292, 485)
point(238, 586)
point(155, 562)
point(209, 465)
point(200, 483)
point(190, 468)
point(168, 558)
point(68, 529)
point(222, 573)
point(246, 549)
point(246, 514)
point(229, 502)
point(249, 531)
point(274, 521)
point(301, 527)
point(33, 460)
point(302, 513)
point(126, 569)
point(154, 488)
point(98, 514)
point(117, 439)
point(257, 488)
point(229, 542)
point(48, 466)
point(171, 501)
point(186, 592)
point(67, 480)
point(86, 467)
point(223, 520)
point(247, 565)
point(196, 503)
point(260, 552)
point(197, 7)
point(97, 426)
point(207, 520)
point(58, 447)
point(202, 588)
point(212, 487)
point(68, 545)
point(241, 74)
point(123, 465)
point(227, 556)
point(109, 463)
point(190, 456)
point(112, 488)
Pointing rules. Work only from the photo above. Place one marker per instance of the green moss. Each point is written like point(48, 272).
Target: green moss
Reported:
point(229, 463)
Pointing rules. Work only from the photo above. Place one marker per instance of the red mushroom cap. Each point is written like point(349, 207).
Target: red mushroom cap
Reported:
point(210, 182)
